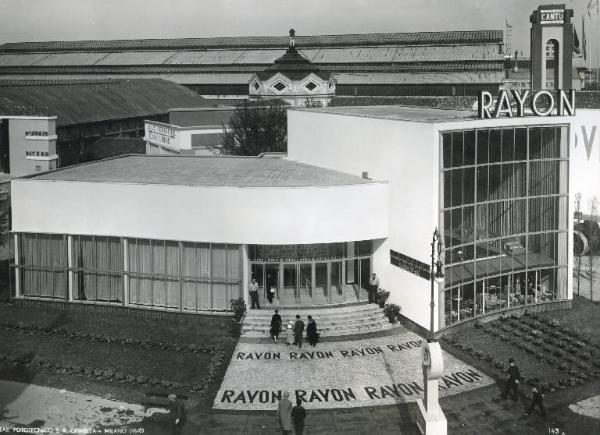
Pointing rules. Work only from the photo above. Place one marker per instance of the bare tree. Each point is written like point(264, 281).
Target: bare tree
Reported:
point(579, 251)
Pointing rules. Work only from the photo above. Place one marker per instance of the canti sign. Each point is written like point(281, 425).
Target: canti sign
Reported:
point(541, 103)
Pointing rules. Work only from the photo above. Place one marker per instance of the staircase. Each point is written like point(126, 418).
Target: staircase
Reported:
point(352, 319)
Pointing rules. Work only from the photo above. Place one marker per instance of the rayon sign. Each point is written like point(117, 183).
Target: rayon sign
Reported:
point(488, 108)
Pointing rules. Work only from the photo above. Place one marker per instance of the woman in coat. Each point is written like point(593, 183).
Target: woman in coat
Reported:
point(311, 332)
point(275, 326)
point(284, 414)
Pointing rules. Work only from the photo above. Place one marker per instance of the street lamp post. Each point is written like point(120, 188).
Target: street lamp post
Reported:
point(436, 270)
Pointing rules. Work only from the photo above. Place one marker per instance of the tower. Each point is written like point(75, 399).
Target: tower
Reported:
point(551, 25)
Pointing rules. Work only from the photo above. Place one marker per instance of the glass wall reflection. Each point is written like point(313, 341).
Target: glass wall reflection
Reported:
point(505, 211)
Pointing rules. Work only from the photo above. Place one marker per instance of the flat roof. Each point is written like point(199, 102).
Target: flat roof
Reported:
point(202, 171)
point(397, 112)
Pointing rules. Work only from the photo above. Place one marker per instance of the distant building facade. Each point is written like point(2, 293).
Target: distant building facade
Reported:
point(376, 64)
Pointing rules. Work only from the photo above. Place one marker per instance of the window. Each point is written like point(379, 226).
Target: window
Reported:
point(256, 85)
point(310, 86)
point(279, 86)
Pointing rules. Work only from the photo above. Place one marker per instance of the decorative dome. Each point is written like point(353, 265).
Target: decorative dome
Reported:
point(294, 78)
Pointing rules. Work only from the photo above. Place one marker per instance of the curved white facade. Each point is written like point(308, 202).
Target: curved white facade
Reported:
point(249, 215)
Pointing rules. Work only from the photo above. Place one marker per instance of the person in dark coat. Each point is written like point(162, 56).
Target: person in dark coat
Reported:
point(512, 383)
point(176, 414)
point(275, 326)
point(298, 330)
point(298, 416)
point(311, 332)
point(538, 399)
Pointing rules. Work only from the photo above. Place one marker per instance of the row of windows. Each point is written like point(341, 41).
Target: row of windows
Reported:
point(470, 147)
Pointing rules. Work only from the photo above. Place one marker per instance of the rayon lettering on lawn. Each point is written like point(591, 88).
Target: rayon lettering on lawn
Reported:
point(370, 372)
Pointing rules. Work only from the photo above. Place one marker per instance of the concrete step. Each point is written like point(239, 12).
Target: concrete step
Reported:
point(347, 320)
point(320, 320)
point(334, 332)
point(322, 312)
point(375, 317)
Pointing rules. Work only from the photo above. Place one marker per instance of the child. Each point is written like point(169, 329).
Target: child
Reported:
point(289, 334)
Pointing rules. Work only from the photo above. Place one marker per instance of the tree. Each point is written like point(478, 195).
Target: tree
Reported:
point(256, 127)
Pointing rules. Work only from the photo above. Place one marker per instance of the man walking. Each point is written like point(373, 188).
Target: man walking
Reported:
point(512, 383)
point(254, 294)
point(538, 399)
point(176, 413)
point(298, 331)
point(298, 416)
point(373, 287)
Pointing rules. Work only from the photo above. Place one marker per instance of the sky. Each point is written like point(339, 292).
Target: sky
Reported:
point(42, 20)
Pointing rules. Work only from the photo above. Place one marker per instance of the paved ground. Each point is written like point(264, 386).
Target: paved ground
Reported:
point(474, 411)
point(337, 374)
point(23, 405)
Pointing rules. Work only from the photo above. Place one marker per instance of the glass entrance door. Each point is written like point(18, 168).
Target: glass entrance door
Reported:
point(305, 283)
point(289, 293)
point(271, 290)
point(321, 294)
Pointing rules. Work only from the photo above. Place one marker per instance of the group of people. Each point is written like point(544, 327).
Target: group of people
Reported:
point(294, 332)
point(512, 386)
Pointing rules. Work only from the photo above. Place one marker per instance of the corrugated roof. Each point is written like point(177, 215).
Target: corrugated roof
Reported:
point(415, 78)
point(221, 57)
point(203, 171)
point(110, 146)
point(85, 102)
point(447, 37)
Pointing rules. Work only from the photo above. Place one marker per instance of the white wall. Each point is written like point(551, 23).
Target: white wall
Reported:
point(209, 214)
point(405, 154)
point(585, 156)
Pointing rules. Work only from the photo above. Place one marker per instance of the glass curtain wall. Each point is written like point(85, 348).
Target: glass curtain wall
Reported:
point(317, 274)
point(504, 218)
point(163, 274)
point(43, 265)
point(97, 268)
point(194, 276)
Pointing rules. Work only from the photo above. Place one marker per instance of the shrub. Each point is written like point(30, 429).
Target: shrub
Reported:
point(382, 296)
point(504, 337)
point(478, 325)
point(536, 333)
point(392, 311)
point(238, 306)
point(537, 342)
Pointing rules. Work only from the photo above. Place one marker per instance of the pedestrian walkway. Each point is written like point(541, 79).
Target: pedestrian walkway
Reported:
point(359, 372)
point(25, 405)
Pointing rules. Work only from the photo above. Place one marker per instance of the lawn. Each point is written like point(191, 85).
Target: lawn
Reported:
point(556, 350)
point(113, 355)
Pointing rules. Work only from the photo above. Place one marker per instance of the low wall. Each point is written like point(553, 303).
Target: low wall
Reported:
point(134, 312)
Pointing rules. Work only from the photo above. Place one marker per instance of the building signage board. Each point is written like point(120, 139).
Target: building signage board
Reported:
point(552, 16)
point(540, 103)
point(410, 264)
point(160, 134)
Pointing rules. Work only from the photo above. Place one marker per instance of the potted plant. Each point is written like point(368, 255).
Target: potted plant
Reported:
point(392, 311)
point(238, 306)
point(382, 297)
